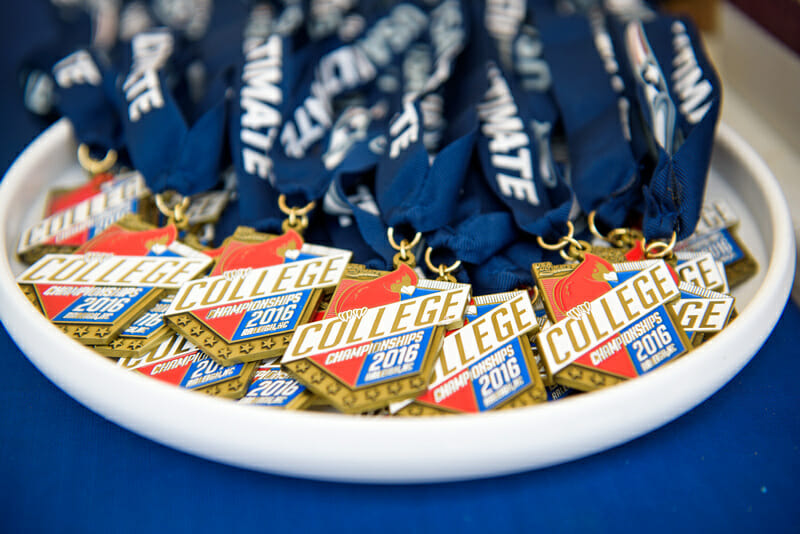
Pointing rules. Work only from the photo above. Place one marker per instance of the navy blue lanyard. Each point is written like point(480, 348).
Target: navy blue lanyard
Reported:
point(85, 95)
point(594, 111)
point(170, 154)
point(678, 96)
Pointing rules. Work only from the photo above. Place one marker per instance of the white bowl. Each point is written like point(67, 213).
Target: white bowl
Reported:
point(370, 449)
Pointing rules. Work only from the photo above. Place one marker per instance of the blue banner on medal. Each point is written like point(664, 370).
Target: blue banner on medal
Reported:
point(273, 319)
point(652, 341)
point(720, 244)
point(273, 392)
point(206, 372)
point(102, 309)
point(499, 375)
point(149, 322)
point(398, 356)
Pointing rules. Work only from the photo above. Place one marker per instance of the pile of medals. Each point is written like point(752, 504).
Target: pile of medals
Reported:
point(272, 320)
point(280, 268)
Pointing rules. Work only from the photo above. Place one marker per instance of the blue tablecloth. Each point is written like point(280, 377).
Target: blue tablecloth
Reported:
point(730, 464)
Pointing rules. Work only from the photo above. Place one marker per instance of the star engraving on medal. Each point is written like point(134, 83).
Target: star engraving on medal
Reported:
point(317, 377)
point(349, 399)
point(394, 388)
point(246, 348)
point(225, 351)
point(598, 380)
point(209, 341)
point(574, 373)
point(415, 410)
point(118, 344)
point(286, 339)
point(183, 320)
point(102, 331)
point(416, 382)
point(301, 367)
point(333, 388)
point(196, 331)
point(81, 331)
point(267, 343)
point(372, 394)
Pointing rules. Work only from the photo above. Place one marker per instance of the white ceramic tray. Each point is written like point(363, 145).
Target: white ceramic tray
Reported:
point(336, 447)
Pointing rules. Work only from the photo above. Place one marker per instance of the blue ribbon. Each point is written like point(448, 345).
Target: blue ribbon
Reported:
point(85, 95)
point(679, 97)
point(169, 154)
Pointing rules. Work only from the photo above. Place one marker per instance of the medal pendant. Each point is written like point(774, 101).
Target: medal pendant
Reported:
point(368, 356)
point(716, 234)
point(249, 314)
point(66, 230)
point(63, 198)
point(611, 323)
point(94, 297)
point(487, 364)
point(178, 362)
point(273, 387)
point(131, 236)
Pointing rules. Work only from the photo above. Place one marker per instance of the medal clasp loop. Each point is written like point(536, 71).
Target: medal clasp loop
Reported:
point(297, 219)
point(173, 206)
point(659, 249)
point(443, 271)
point(618, 237)
point(404, 254)
point(96, 166)
point(576, 250)
point(562, 243)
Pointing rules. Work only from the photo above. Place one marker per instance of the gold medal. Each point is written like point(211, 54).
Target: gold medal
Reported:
point(366, 357)
point(610, 322)
point(487, 364)
point(66, 230)
point(250, 314)
point(94, 297)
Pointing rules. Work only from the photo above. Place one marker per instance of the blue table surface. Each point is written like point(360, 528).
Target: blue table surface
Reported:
point(731, 464)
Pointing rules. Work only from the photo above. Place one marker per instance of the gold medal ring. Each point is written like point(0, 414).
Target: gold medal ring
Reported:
point(659, 249)
point(173, 206)
point(443, 270)
point(95, 166)
point(563, 242)
point(298, 217)
point(404, 254)
point(618, 237)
